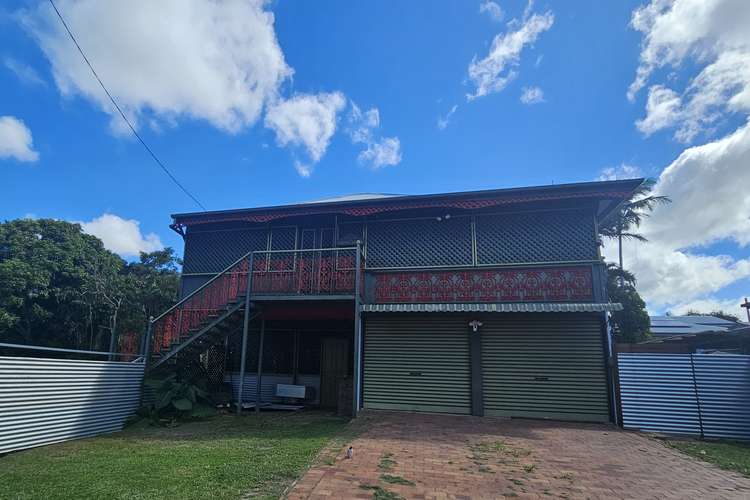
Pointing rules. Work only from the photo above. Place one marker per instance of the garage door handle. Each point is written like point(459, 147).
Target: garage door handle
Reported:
point(541, 379)
point(415, 374)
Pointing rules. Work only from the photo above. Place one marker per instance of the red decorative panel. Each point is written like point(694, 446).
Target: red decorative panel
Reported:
point(561, 284)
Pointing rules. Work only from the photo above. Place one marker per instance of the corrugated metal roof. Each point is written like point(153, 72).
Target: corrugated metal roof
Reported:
point(691, 325)
point(500, 308)
point(615, 191)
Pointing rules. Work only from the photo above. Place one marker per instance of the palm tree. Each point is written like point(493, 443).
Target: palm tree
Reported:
point(623, 224)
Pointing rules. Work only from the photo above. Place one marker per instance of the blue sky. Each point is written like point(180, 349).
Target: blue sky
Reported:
point(330, 65)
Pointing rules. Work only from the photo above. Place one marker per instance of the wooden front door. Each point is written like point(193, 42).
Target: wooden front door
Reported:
point(334, 365)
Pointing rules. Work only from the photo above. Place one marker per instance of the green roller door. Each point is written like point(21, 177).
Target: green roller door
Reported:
point(544, 366)
point(417, 362)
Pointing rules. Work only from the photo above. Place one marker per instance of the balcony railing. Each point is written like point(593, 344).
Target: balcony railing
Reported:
point(276, 273)
point(305, 272)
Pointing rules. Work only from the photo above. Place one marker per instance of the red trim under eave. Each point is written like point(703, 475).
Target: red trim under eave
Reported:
point(364, 210)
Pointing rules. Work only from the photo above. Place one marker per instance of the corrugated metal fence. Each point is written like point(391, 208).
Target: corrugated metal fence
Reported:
point(694, 394)
point(45, 401)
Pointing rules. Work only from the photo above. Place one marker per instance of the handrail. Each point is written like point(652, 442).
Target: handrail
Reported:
point(233, 264)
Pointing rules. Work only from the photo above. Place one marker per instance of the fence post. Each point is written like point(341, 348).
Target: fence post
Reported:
point(697, 397)
point(245, 326)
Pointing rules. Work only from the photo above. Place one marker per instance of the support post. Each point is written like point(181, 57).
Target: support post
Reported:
point(147, 342)
point(295, 359)
point(260, 365)
point(245, 327)
point(477, 377)
point(357, 382)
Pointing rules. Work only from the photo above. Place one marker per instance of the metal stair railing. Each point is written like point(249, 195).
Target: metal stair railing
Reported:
point(207, 301)
point(301, 272)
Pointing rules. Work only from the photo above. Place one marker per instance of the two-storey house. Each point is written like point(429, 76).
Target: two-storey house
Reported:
point(487, 302)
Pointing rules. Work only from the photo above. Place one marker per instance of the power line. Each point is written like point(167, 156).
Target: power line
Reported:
point(114, 103)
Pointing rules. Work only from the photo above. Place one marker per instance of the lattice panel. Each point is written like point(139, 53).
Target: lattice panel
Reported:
point(283, 238)
point(349, 233)
point(419, 243)
point(214, 251)
point(535, 237)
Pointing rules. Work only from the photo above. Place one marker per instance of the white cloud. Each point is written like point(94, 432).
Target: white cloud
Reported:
point(122, 236)
point(708, 205)
point(379, 151)
point(492, 73)
point(623, 171)
point(713, 34)
point(386, 152)
point(174, 60)
point(444, 121)
point(362, 125)
point(306, 120)
point(492, 10)
point(662, 109)
point(15, 140)
point(198, 59)
point(532, 95)
point(710, 200)
point(23, 71)
point(303, 169)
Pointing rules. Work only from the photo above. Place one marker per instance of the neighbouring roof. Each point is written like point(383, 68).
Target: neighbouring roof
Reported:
point(520, 307)
point(352, 197)
point(670, 326)
point(609, 193)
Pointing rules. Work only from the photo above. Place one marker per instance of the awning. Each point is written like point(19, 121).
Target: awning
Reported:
point(524, 307)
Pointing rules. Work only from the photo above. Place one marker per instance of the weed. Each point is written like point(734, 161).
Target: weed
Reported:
point(386, 462)
point(395, 480)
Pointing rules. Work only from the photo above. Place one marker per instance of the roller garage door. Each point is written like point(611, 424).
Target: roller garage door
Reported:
point(546, 365)
point(417, 362)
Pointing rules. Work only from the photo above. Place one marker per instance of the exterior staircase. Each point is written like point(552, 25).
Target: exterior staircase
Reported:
point(217, 309)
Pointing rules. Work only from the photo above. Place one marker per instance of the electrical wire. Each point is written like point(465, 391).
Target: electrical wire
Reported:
point(119, 110)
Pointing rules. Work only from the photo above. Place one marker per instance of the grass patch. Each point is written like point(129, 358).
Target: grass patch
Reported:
point(225, 457)
point(386, 462)
point(380, 493)
point(529, 468)
point(568, 476)
point(388, 478)
point(726, 454)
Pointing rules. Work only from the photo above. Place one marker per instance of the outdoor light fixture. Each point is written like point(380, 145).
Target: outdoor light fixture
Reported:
point(475, 325)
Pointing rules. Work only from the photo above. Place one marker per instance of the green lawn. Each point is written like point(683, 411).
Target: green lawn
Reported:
point(727, 455)
point(225, 457)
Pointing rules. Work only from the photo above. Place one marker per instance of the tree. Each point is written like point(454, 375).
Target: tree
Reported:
point(623, 223)
point(717, 314)
point(632, 324)
point(43, 271)
point(60, 287)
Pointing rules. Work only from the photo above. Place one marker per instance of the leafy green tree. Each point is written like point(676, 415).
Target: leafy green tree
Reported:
point(61, 287)
point(716, 314)
point(632, 324)
point(43, 273)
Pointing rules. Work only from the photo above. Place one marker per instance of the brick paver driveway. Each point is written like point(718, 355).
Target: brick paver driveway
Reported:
point(436, 456)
